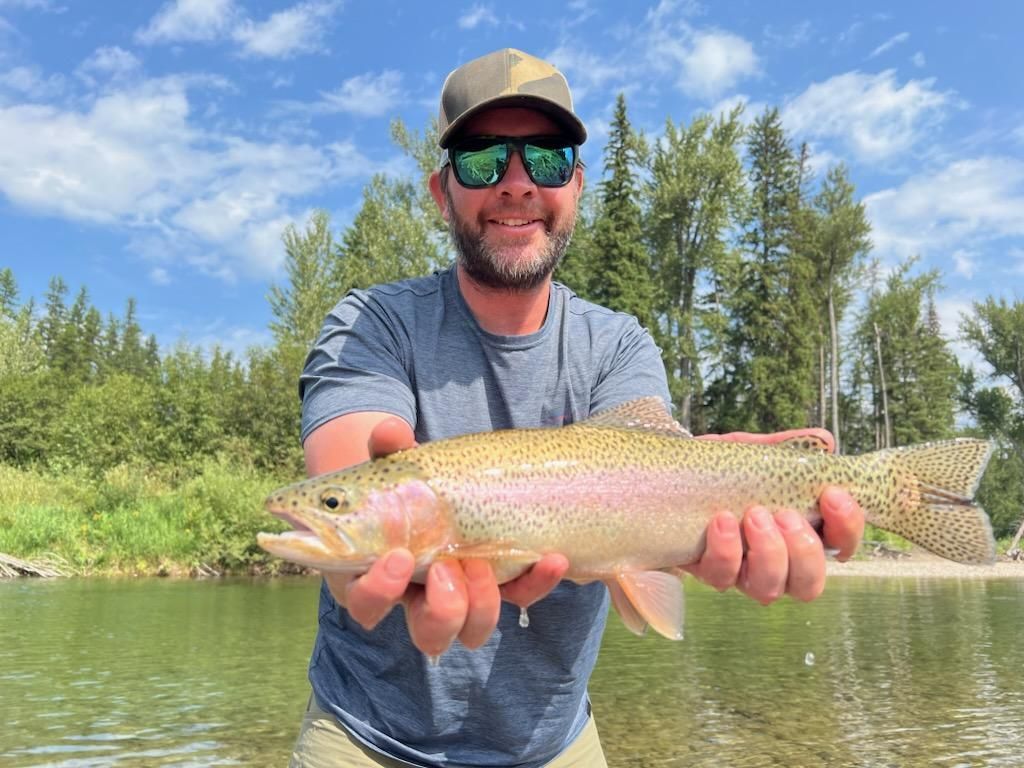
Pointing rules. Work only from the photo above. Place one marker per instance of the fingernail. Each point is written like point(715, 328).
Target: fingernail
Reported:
point(396, 565)
point(726, 527)
point(790, 521)
point(761, 519)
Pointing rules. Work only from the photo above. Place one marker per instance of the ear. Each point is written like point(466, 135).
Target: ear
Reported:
point(579, 180)
point(438, 194)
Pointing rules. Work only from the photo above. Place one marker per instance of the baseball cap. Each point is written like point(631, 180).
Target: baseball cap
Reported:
point(506, 78)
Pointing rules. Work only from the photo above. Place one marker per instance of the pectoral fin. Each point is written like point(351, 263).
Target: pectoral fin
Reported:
point(634, 621)
point(507, 561)
point(655, 596)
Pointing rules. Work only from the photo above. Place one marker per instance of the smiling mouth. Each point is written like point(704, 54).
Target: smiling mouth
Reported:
point(515, 222)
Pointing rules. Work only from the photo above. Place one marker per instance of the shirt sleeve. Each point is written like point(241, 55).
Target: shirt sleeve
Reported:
point(357, 364)
point(632, 369)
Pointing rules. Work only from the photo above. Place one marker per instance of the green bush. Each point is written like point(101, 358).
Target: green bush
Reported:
point(134, 520)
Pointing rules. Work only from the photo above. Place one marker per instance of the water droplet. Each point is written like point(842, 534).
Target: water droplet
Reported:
point(434, 661)
point(809, 659)
point(524, 618)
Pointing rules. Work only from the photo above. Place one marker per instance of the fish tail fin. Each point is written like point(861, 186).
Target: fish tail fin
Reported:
point(936, 509)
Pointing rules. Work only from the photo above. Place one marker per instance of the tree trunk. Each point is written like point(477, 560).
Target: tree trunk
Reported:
point(834, 360)
point(887, 432)
point(1014, 548)
point(821, 382)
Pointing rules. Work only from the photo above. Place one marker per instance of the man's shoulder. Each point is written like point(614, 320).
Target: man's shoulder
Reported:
point(410, 289)
point(589, 312)
point(395, 298)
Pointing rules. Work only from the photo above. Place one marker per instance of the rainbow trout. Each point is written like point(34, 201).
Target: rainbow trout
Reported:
point(625, 495)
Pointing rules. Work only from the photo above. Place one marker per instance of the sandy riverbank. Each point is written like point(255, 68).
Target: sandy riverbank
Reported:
point(919, 564)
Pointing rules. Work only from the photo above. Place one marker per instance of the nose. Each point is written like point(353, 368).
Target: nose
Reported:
point(516, 182)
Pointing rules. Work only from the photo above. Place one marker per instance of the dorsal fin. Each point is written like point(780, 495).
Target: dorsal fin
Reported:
point(646, 413)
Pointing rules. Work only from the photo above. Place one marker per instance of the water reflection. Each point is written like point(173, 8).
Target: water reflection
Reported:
point(905, 673)
point(150, 673)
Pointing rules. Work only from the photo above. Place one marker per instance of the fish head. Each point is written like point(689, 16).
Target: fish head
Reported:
point(344, 521)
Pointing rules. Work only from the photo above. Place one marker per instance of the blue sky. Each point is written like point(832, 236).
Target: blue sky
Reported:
point(158, 150)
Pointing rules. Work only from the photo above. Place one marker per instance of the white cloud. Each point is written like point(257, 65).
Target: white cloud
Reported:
point(705, 62)
point(159, 276)
point(189, 21)
point(585, 71)
point(294, 30)
point(872, 114)
point(299, 29)
point(33, 5)
point(368, 95)
point(892, 42)
point(477, 15)
point(965, 262)
point(713, 62)
point(135, 159)
point(112, 63)
point(918, 59)
point(582, 9)
point(965, 205)
point(31, 83)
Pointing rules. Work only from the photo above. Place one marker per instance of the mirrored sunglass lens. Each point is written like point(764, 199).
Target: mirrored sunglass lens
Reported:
point(549, 166)
point(481, 167)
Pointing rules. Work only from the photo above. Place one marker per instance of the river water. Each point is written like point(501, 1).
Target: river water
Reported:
point(895, 672)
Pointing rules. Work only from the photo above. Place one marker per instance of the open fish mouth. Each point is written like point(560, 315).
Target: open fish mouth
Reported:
point(310, 533)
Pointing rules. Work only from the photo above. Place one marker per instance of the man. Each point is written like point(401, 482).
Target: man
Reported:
point(454, 680)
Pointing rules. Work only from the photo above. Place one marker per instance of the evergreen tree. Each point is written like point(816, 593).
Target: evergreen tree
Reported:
point(621, 277)
point(390, 238)
point(996, 330)
point(578, 265)
point(695, 191)
point(130, 357)
point(51, 327)
point(767, 381)
point(912, 371)
point(8, 294)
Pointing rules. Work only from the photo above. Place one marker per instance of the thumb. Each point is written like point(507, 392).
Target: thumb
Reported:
point(390, 435)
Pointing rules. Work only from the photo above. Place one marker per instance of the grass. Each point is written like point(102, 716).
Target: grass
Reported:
point(134, 520)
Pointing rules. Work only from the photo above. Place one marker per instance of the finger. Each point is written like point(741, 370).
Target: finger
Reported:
point(537, 582)
point(843, 522)
point(806, 578)
point(372, 596)
point(720, 564)
point(338, 583)
point(391, 435)
point(437, 615)
point(823, 435)
point(484, 603)
point(766, 566)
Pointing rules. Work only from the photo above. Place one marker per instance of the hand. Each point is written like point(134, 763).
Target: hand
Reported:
point(460, 598)
point(784, 553)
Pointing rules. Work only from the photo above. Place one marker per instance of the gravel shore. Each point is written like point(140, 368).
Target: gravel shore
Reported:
point(919, 564)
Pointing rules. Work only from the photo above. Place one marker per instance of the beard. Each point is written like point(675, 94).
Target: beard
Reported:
point(488, 265)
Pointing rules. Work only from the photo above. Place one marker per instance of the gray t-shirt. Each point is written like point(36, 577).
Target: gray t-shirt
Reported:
point(415, 350)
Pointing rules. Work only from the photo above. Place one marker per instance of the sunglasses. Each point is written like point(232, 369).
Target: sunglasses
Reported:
point(481, 161)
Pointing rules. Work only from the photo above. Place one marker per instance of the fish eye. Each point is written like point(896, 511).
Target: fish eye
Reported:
point(331, 502)
point(333, 498)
